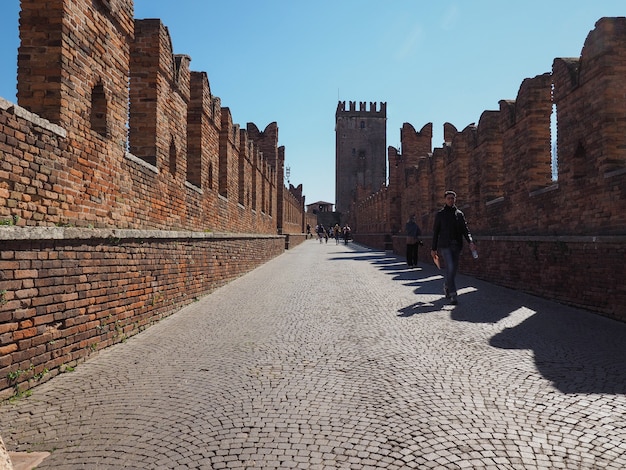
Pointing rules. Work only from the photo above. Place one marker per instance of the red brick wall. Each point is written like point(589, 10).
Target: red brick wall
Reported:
point(581, 271)
point(189, 166)
point(562, 239)
point(66, 48)
point(67, 292)
point(98, 242)
point(293, 211)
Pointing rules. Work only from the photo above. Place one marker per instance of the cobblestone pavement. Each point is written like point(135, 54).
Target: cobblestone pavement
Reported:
point(334, 356)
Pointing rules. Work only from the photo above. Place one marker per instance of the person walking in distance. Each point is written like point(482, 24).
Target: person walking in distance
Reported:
point(450, 228)
point(346, 233)
point(412, 232)
point(321, 231)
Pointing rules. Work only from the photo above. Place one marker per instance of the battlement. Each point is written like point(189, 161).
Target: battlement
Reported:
point(363, 111)
point(505, 168)
point(551, 212)
point(146, 143)
point(119, 162)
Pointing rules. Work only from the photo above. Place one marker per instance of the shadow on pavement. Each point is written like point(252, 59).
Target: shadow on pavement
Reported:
point(577, 350)
point(580, 352)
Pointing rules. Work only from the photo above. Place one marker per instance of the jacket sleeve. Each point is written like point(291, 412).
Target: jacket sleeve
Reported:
point(466, 232)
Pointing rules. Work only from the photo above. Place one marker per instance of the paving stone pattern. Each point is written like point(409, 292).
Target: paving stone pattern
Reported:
point(334, 356)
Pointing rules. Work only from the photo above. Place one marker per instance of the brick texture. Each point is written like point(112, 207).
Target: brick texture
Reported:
point(65, 298)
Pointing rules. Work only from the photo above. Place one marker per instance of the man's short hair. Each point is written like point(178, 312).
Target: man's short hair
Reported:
point(449, 193)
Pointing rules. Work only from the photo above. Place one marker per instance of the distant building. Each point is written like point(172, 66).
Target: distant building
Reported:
point(319, 206)
point(361, 151)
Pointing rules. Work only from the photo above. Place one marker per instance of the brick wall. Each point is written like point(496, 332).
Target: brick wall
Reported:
point(188, 165)
point(69, 292)
point(293, 208)
point(562, 238)
point(120, 201)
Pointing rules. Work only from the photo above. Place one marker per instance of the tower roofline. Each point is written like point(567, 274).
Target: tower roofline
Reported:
point(363, 111)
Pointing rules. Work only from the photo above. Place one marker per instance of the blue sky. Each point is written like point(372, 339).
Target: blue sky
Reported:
point(291, 61)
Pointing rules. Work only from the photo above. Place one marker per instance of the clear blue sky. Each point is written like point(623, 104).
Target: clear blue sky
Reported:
point(291, 61)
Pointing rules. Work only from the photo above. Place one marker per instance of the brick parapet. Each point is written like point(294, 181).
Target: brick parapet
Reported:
point(110, 222)
point(69, 292)
point(581, 271)
point(183, 165)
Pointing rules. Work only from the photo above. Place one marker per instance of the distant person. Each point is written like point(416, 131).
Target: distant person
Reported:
point(336, 233)
point(412, 241)
point(449, 230)
point(320, 232)
point(347, 233)
point(308, 231)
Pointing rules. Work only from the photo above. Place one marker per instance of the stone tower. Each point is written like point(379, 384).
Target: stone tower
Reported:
point(360, 152)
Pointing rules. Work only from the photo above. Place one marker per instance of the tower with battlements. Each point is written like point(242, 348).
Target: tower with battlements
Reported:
point(360, 152)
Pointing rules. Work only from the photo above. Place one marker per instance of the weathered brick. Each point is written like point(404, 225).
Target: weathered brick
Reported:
point(6, 327)
point(8, 349)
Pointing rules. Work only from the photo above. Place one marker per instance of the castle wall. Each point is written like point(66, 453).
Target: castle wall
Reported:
point(556, 238)
point(274, 158)
point(70, 292)
point(294, 210)
point(126, 189)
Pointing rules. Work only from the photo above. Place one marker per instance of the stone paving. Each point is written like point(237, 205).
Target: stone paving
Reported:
point(334, 356)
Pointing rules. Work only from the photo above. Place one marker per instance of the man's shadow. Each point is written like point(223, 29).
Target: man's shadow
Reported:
point(578, 351)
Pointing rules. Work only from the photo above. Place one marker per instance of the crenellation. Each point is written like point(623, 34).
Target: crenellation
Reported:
point(487, 168)
point(182, 75)
point(502, 170)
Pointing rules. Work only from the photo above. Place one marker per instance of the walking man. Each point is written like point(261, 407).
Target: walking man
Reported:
point(449, 230)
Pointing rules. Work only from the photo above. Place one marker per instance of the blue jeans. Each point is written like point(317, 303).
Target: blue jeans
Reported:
point(451, 257)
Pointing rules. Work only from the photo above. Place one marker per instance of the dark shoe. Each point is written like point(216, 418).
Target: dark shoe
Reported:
point(453, 300)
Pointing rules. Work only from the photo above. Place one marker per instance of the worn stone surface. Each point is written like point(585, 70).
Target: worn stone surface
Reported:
point(27, 460)
point(5, 460)
point(340, 357)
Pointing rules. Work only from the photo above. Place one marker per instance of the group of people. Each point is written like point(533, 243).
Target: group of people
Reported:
point(335, 232)
point(449, 231)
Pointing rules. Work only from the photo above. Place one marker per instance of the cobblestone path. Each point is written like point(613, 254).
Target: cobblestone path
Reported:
point(334, 356)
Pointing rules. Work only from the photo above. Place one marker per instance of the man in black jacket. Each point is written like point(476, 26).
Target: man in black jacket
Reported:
point(449, 230)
